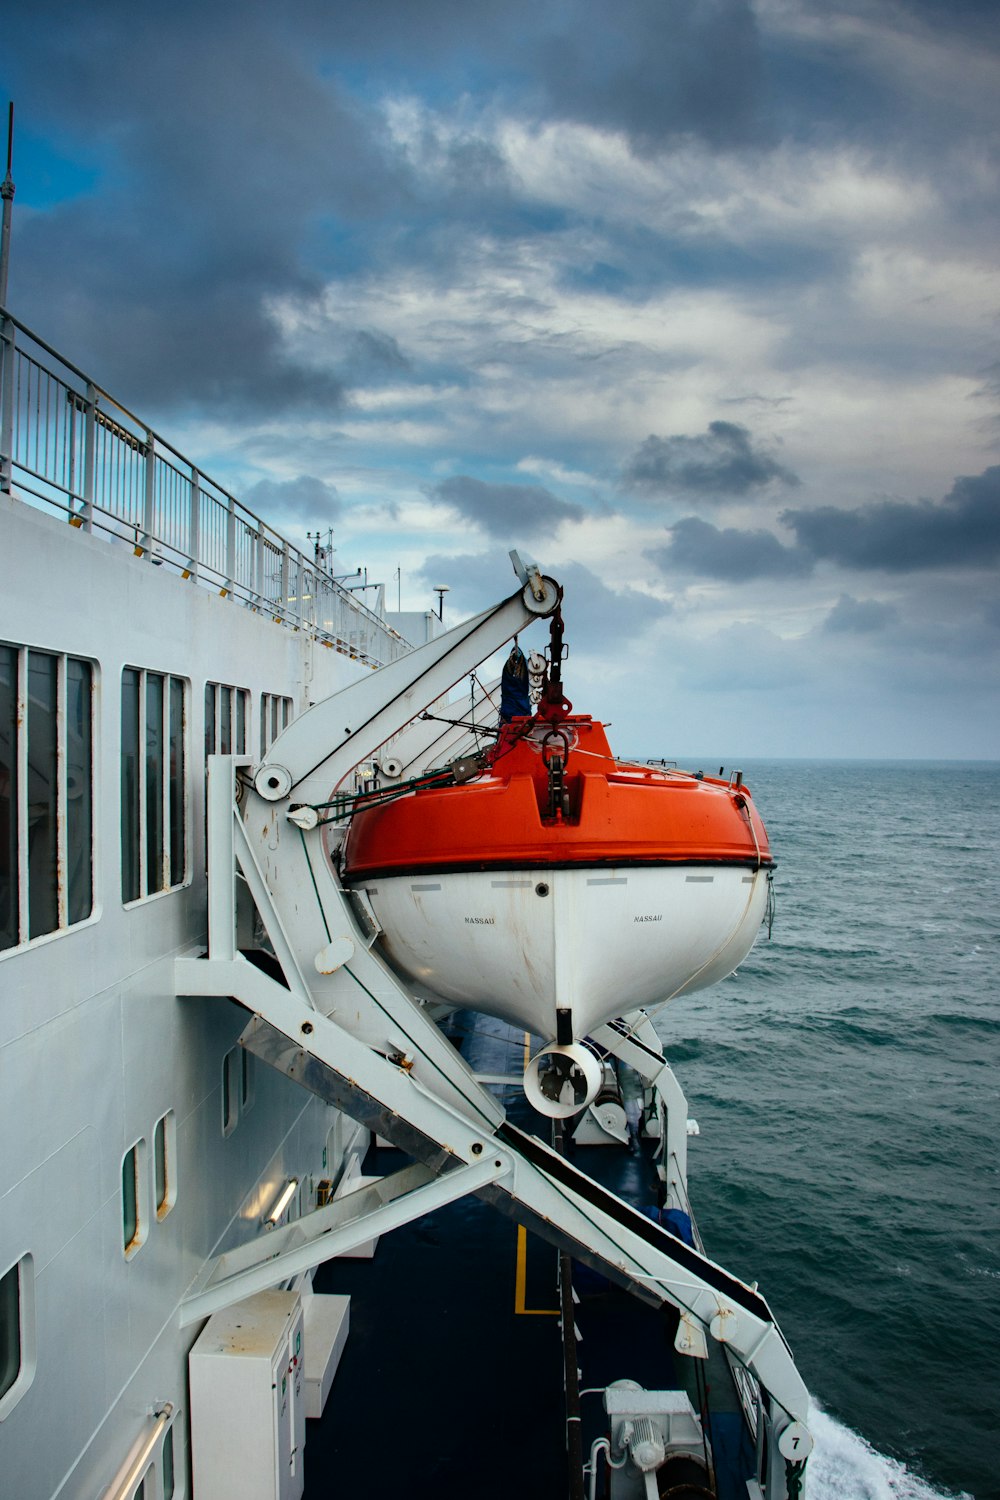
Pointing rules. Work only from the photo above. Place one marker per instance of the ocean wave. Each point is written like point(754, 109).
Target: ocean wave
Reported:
point(844, 1466)
point(955, 1021)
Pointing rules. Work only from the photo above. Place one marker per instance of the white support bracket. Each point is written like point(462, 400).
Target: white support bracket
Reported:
point(633, 1039)
point(541, 1189)
point(335, 1229)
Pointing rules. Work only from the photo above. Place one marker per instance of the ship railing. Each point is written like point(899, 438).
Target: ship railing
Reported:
point(747, 1385)
point(70, 448)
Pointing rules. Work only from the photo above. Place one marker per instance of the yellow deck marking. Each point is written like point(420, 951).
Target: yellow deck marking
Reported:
point(521, 1278)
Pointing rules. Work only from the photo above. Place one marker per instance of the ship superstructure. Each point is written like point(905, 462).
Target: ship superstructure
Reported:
point(202, 1028)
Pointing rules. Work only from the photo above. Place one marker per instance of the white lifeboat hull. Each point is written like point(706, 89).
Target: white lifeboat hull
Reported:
point(520, 944)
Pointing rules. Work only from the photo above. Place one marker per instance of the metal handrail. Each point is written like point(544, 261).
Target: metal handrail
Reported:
point(74, 448)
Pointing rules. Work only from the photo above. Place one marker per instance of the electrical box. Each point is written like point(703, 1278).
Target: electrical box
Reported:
point(248, 1428)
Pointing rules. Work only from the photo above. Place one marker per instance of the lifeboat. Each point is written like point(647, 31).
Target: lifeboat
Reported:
point(559, 887)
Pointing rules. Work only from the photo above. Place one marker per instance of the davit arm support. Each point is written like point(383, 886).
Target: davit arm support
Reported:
point(348, 1028)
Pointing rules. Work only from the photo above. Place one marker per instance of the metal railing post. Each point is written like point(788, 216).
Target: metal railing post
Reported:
point(285, 579)
point(230, 545)
point(258, 582)
point(89, 456)
point(194, 525)
point(8, 357)
point(148, 518)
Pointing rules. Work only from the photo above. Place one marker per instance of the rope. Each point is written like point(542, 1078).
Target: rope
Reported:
point(795, 1473)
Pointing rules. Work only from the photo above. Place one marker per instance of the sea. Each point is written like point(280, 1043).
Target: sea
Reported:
point(846, 1085)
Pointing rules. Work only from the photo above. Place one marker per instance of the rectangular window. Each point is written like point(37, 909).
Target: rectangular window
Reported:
point(168, 1464)
point(231, 1076)
point(130, 1199)
point(10, 1328)
point(226, 715)
point(164, 1156)
point(275, 715)
point(153, 783)
point(43, 795)
point(17, 1333)
point(79, 789)
point(247, 1090)
point(9, 799)
point(46, 793)
point(135, 1203)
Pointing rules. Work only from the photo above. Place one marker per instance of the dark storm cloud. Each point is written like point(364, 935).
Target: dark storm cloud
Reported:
point(225, 157)
point(506, 510)
point(730, 554)
point(305, 499)
point(597, 617)
point(859, 616)
point(662, 69)
point(722, 462)
point(900, 536)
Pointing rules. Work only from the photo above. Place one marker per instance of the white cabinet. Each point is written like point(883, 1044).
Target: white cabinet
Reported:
point(327, 1323)
point(247, 1401)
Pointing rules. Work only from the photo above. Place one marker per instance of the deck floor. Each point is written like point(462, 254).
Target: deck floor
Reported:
point(451, 1383)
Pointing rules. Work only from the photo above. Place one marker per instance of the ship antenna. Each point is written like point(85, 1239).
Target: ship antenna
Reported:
point(7, 193)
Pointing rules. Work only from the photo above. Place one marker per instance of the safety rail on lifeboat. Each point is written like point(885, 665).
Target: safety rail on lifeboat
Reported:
point(547, 883)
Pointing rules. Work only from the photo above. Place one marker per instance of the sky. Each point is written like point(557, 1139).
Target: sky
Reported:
point(694, 302)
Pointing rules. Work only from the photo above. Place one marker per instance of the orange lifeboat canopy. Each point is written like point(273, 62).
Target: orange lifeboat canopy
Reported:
point(552, 795)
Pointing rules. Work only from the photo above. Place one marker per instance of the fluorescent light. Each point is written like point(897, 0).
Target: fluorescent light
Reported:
point(285, 1197)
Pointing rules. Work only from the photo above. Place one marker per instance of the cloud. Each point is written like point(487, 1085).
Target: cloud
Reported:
point(597, 617)
point(851, 616)
point(731, 554)
point(901, 536)
point(179, 312)
point(506, 510)
point(723, 461)
point(662, 71)
point(304, 499)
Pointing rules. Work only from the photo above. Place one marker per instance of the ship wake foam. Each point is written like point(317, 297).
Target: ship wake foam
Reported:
point(844, 1466)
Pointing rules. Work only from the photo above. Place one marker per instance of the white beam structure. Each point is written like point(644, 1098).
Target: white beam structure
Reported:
point(335, 1229)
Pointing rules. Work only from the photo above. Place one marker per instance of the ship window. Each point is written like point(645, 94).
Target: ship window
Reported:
point(226, 719)
point(168, 1464)
point(10, 1328)
point(231, 1075)
point(164, 1157)
point(247, 1081)
point(275, 715)
point(153, 783)
point(9, 798)
point(46, 793)
point(133, 1217)
point(17, 1333)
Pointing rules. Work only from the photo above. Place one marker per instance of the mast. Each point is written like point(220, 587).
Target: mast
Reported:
point(7, 193)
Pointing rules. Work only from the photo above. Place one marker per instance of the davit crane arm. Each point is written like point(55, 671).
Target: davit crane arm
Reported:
point(346, 1026)
point(318, 750)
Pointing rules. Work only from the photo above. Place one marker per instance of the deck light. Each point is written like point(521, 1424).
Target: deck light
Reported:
point(282, 1202)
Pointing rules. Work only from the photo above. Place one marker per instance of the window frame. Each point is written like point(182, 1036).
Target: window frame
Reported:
point(173, 781)
point(237, 717)
point(24, 1265)
point(165, 1129)
point(131, 1247)
point(66, 895)
point(276, 713)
